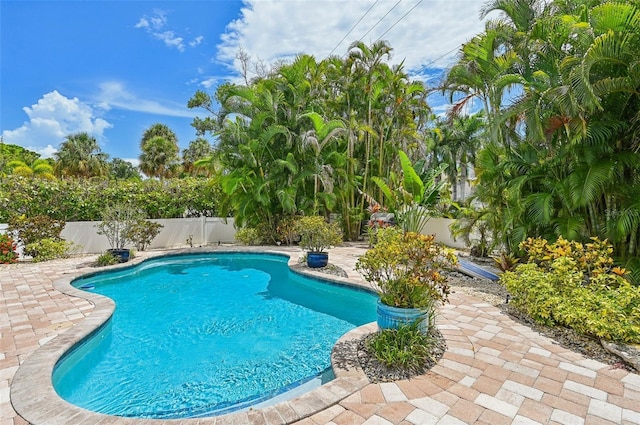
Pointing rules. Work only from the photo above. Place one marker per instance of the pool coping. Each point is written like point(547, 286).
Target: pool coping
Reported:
point(34, 398)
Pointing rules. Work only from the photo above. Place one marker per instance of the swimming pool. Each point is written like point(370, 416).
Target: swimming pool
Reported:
point(200, 335)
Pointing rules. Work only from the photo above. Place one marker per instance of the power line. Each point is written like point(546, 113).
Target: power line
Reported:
point(398, 21)
point(353, 27)
point(380, 20)
point(438, 58)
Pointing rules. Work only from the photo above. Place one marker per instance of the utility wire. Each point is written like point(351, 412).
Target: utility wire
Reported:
point(398, 21)
point(353, 27)
point(438, 58)
point(380, 20)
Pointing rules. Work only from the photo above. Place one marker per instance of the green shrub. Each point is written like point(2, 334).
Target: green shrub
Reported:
point(405, 268)
point(143, 232)
point(248, 236)
point(316, 234)
point(8, 252)
point(49, 249)
point(287, 231)
point(575, 285)
point(32, 229)
point(84, 200)
point(107, 259)
point(404, 348)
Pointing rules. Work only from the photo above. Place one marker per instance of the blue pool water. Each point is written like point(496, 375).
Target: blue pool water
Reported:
point(200, 335)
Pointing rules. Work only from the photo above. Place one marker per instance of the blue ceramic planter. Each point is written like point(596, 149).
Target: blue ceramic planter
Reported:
point(393, 317)
point(317, 259)
point(121, 254)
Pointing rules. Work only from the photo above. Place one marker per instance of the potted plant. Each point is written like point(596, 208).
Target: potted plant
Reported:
point(117, 224)
point(316, 235)
point(405, 269)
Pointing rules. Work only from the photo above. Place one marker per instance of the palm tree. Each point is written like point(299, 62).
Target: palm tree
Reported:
point(80, 156)
point(460, 138)
point(159, 157)
point(198, 149)
point(40, 168)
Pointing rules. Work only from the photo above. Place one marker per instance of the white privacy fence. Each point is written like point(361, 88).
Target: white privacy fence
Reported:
point(176, 232)
point(203, 231)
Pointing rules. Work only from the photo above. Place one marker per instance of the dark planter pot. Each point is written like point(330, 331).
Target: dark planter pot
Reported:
point(121, 254)
point(393, 317)
point(317, 259)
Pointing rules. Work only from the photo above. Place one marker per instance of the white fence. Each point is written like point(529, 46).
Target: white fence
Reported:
point(204, 231)
point(440, 227)
point(176, 232)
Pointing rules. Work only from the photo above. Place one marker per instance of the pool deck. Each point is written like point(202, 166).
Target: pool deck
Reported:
point(495, 370)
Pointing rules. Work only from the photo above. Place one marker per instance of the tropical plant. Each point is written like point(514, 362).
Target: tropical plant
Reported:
point(287, 230)
point(28, 230)
point(80, 156)
point(8, 253)
point(317, 234)
point(406, 349)
point(143, 232)
point(405, 268)
point(120, 169)
point(576, 285)
point(563, 158)
point(410, 197)
point(198, 150)
point(107, 259)
point(84, 200)
point(40, 168)
point(9, 153)
point(50, 249)
point(306, 137)
point(117, 224)
point(248, 236)
point(160, 152)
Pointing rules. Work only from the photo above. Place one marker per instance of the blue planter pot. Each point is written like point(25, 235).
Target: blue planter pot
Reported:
point(120, 254)
point(393, 317)
point(317, 259)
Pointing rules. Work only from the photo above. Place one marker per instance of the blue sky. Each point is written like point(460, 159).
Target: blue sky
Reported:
point(114, 68)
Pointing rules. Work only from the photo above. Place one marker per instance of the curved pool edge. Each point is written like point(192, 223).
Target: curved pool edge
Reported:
point(35, 400)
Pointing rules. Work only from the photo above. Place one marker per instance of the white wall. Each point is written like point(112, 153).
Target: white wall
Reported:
point(176, 231)
point(440, 227)
point(206, 230)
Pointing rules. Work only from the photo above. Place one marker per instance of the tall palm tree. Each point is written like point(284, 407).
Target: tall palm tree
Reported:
point(198, 149)
point(159, 158)
point(80, 156)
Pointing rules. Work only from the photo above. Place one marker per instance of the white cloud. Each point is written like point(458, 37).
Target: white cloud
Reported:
point(156, 26)
point(210, 82)
point(52, 119)
point(115, 95)
point(133, 161)
point(428, 35)
point(170, 39)
point(196, 41)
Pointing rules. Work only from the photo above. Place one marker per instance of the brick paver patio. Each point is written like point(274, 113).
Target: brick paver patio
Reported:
point(495, 371)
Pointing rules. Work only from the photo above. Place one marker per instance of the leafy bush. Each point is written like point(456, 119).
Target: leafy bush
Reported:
point(405, 348)
point(107, 259)
point(287, 230)
point(143, 232)
point(83, 200)
point(576, 285)
point(117, 222)
point(32, 229)
point(8, 252)
point(405, 268)
point(316, 234)
point(248, 236)
point(49, 249)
